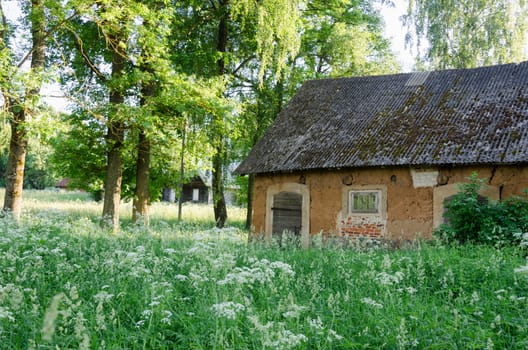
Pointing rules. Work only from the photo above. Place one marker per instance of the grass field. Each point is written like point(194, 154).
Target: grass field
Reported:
point(65, 284)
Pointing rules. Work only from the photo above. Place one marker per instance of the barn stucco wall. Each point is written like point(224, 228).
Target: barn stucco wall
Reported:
point(409, 210)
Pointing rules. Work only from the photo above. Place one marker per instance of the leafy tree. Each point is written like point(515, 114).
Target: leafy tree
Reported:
point(130, 101)
point(344, 38)
point(21, 90)
point(467, 33)
point(340, 38)
point(100, 49)
point(79, 150)
point(221, 38)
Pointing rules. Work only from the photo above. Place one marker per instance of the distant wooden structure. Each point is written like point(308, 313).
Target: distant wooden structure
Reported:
point(196, 190)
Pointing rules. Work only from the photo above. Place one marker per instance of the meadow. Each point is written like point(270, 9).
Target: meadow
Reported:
point(66, 284)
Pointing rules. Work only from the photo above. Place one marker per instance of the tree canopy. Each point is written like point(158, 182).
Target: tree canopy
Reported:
point(467, 33)
point(143, 75)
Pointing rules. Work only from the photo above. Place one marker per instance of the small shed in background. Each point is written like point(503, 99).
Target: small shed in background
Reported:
point(196, 190)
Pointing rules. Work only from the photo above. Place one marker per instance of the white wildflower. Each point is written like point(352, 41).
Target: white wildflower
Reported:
point(140, 323)
point(146, 313)
point(285, 340)
point(262, 271)
point(99, 316)
point(167, 318)
point(131, 255)
point(516, 298)
point(523, 237)
point(332, 335)
point(387, 263)
point(403, 337)
point(48, 328)
point(522, 269)
point(5, 313)
point(294, 311)
point(263, 328)
point(411, 290)
point(499, 293)
point(80, 332)
point(227, 309)
point(496, 321)
point(372, 302)
point(224, 260)
point(169, 251)
point(387, 279)
point(283, 268)
point(79, 328)
point(474, 298)
point(316, 324)
point(198, 278)
point(85, 343)
point(103, 296)
point(180, 277)
point(154, 303)
point(58, 251)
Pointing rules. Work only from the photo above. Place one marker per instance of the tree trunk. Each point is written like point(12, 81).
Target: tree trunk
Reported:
point(220, 209)
point(141, 202)
point(114, 176)
point(19, 140)
point(249, 214)
point(15, 165)
point(114, 139)
point(182, 171)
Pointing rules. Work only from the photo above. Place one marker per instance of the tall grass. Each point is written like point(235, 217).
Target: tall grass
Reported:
point(80, 204)
point(65, 284)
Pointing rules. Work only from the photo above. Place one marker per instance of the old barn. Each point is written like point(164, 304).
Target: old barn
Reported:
point(378, 156)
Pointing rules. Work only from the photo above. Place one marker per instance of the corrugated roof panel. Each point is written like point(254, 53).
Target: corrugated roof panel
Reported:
point(471, 116)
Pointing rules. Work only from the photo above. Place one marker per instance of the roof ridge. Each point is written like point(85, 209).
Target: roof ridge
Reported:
point(457, 116)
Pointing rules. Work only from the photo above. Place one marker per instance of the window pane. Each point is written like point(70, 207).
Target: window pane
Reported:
point(364, 202)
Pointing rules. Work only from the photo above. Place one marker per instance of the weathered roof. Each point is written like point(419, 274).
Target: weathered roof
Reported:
point(459, 116)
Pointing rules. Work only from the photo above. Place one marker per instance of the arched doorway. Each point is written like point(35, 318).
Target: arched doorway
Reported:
point(288, 208)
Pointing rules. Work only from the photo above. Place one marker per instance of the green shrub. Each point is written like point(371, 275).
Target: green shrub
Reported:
point(472, 218)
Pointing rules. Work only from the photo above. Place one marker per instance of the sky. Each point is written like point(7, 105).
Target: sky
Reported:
point(395, 32)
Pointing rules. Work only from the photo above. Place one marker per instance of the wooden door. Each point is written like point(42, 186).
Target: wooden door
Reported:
point(287, 213)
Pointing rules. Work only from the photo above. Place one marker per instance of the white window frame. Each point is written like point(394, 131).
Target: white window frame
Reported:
point(195, 194)
point(378, 200)
point(382, 203)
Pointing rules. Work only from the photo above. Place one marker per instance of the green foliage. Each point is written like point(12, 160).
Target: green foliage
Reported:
point(66, 284)
point(344, 38)
point(472, 218)
point(79, 152)
point(466, 34)
point(242, 192)
point(38, 174)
